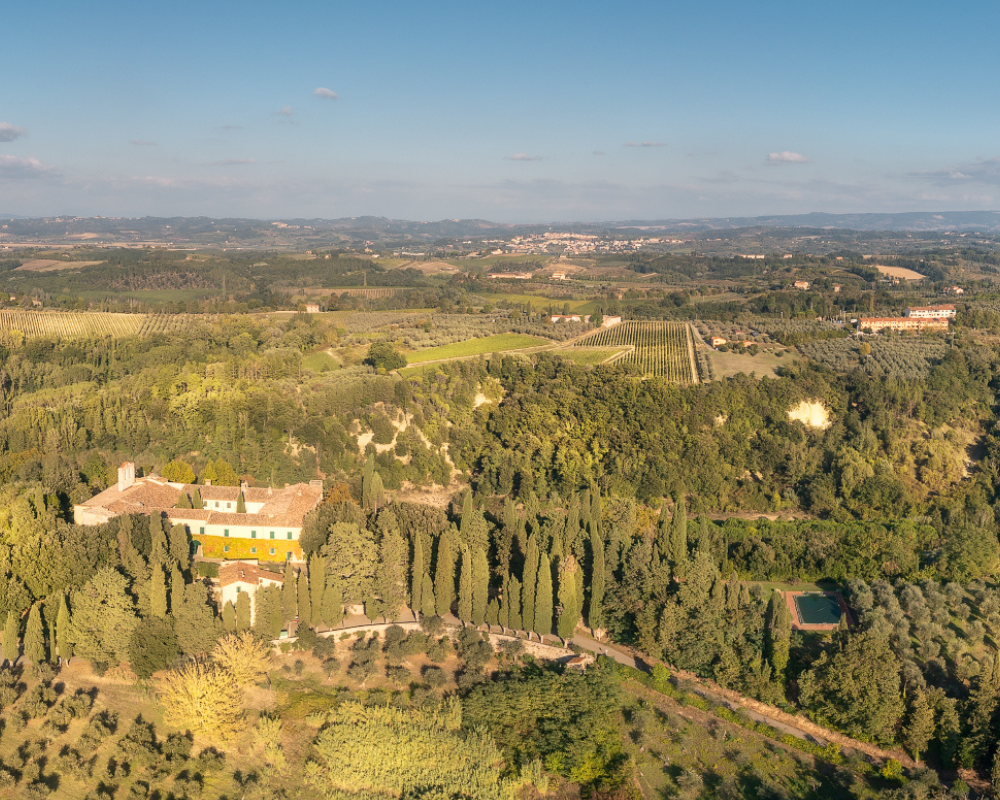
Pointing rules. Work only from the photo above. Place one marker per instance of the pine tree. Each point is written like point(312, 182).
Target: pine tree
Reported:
point(595, 613)
point(480, 586)
point(241, 503)
point(984, 701)
point(229, 617)
point(428, 608)
point(196, 501)
point(34, 636)
point(444, 575)
point(305, 602)
point(529, 580)
point(543, 598)
point(465, 588)
point(242, 611)
point(514, 605)
point(568, 599)
point(779, 633)
point(158, 592)
point(317, 587)
point(289, 593)
point(10, 649)
point(333, 602)
point(64, 648)
point(417, 574)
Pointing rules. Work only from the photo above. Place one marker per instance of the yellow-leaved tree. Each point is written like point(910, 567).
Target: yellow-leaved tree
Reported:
point(203, 699)
point(243, 656)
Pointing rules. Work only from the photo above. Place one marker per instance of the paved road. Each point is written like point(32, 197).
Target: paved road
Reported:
point(601, 648)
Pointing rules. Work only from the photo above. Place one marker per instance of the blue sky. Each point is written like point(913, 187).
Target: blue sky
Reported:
point(512, 112)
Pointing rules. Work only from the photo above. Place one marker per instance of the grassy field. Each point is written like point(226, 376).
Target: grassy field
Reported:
point(474, 347)
point(589, 356)
point(320, 362)
point(557, 304)
point(726, 365)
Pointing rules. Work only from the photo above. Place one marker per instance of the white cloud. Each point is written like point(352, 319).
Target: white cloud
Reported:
point(8, 132)
point(984, 170)
point(645, 144)
point(284, 112)
point(786, 157)
point(522, 157)
point(143, 143)
point(326, 94)
point(12, 167)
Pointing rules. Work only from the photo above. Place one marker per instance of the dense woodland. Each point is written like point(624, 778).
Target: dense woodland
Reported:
point(583, 499)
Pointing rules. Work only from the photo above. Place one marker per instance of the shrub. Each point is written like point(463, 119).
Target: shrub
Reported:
point(325, 647)
point(435, 677)
point(330, 666)
point(208, 569)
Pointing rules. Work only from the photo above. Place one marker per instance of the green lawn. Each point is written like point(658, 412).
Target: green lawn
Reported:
point(475, 347)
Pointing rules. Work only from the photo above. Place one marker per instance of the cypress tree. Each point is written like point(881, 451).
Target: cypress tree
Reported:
point(242, 611)
point(50, 620)
point(158, 592)
point(595, 614)
point(995, 775)
point(34, 636)
point(466, 518)
point(158, 541)
point(919, 728)
point(317, 587)
point(176, 588)
point(63, 647)
point(779, 633)
point(480, 586)
point(333, 602)
point(543, 598)
point(427, 608)
point(444, 575)
point(417, 574)
point(289, 593)
point(503, 614)
point(568, 599)
point(529, 580)
point(465, 583)
point(229, 617)
point(10, 650)
point(514, 605)
point(305, 602)
point(492, 616)
point(196, 501)
point(184, 501)
point(678, 539)
point(241, 503)
point(367, 477)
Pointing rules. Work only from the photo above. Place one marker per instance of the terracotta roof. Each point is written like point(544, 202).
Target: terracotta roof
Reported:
point(947, 307)
point(281, 507)
point(244, 572)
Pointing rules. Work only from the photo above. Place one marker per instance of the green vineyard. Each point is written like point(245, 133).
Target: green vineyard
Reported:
point(86, 324)
point(661, 349)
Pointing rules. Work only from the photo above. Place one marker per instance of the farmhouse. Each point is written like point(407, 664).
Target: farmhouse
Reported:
point(876, 324)
point(269, 527)
point(717, 341)
point(927, 312)
point(954, 290)
point(237, 577)
point(312, 308)
point(570, 318)
point(803, 285)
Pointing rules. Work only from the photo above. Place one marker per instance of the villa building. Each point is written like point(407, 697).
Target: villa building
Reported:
point(269, 528)
point(928, 312)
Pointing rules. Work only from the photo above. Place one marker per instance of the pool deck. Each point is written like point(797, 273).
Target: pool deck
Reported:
point(799, 625)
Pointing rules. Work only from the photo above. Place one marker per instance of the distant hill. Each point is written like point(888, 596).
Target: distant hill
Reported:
point(350, 232)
